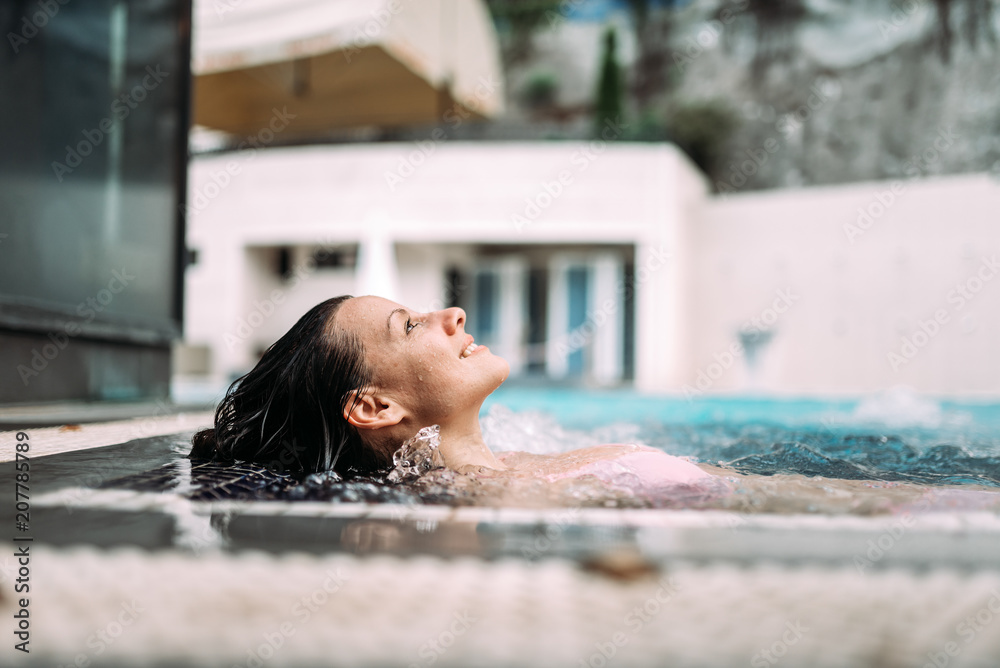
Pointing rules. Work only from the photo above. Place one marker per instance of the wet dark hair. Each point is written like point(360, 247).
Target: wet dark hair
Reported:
point(287, 413)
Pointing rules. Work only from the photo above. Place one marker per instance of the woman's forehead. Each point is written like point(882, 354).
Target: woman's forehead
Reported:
point(367, 313)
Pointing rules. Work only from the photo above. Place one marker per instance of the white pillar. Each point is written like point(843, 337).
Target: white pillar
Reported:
point(557, 325)
point(377, 272)
point(607, 313)
point(512, 310)
point(231, 352)
point(659, 316)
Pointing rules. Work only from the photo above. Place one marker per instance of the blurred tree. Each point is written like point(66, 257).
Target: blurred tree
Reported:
point(979, 23)
point(518, 20)
point(652, 35)
point(776, 21)
point(702, 130)
point(540, 90)
point(608, 106)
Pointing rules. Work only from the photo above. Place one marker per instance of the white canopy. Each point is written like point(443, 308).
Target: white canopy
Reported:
point(343, 63)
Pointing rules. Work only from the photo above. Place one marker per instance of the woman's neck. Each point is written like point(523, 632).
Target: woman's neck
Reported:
point(463, 448)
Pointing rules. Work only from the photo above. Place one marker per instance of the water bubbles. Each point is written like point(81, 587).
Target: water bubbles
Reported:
point(539, 433)
point(417, 456)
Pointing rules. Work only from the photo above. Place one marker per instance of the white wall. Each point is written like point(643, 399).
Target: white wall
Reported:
point(704, 267)
point(857, 288)
point(663, 259)
point(433, 202)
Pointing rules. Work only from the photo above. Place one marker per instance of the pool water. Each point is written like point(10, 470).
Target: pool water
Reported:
point(892, 436)
point(887, 453)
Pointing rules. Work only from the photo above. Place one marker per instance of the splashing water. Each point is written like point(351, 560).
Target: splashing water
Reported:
point(417, 456)
point(539, 433)
point(899, 406)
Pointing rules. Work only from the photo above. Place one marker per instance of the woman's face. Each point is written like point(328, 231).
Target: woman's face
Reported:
point(425, 361)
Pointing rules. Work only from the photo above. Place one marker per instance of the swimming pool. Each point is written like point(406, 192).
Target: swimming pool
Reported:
point(133, 520)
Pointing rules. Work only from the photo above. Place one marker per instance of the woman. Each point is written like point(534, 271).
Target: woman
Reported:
point(355, 378)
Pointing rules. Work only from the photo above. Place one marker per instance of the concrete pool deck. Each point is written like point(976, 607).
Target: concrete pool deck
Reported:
point(127, 577)
point(130, 607)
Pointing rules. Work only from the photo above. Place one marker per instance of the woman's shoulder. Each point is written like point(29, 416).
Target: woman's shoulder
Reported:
point(570, 457)
point(607, 462)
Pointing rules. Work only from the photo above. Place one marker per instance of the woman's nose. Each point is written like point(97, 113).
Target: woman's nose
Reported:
point(452, 319)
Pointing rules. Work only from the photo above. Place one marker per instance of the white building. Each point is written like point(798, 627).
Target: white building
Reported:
point(606, 264)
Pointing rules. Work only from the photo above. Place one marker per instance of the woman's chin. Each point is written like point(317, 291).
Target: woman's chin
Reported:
point(504, 368)
point(497, 374)
point(490, 370)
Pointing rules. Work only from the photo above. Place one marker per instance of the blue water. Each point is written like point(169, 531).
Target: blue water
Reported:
point(896, 435)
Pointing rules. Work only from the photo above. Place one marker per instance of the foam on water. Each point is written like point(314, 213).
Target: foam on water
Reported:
point(901, 406)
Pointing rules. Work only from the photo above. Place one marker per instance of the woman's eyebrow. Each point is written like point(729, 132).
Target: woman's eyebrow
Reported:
point(388, 321)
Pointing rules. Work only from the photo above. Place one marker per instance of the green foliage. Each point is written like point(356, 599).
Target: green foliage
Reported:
point(540, 89)
point(650, 127)
point(702, 130)
point(608, 107)
point(517, 20)
point(522, 12)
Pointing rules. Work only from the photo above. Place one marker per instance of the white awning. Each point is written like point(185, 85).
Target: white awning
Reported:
point(343, 63)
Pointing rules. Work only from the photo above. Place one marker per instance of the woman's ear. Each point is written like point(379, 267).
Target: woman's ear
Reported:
point(368, 410)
